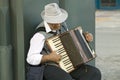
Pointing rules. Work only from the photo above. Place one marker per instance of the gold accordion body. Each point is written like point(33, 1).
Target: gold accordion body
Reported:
point(73, 48)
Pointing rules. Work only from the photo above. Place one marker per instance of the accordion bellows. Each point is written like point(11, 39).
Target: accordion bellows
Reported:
point(73, 48)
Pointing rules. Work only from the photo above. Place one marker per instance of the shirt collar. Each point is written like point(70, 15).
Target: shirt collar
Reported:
point(47, 27)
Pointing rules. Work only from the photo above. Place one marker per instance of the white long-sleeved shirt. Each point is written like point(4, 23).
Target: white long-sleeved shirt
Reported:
point(36, 45)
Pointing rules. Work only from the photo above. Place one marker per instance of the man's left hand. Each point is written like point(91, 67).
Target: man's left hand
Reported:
point(88, 36)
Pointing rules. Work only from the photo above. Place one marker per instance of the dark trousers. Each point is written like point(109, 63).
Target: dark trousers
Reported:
point(84, 72)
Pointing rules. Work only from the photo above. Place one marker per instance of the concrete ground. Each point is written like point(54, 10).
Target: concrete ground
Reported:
point(108, 44)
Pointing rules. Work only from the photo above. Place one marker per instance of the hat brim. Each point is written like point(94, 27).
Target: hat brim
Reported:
point(55, 19)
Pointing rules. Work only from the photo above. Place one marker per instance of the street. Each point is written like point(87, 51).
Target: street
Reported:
point(108, 44)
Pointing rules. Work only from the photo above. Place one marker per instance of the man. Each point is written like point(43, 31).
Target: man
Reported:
point(43, 64)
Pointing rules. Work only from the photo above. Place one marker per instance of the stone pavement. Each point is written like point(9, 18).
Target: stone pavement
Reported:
point(108, 44)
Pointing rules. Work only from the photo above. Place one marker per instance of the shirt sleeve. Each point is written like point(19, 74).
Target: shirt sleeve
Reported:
point(36, 45)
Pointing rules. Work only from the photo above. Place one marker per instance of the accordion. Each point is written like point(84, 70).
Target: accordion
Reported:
point(73, 48)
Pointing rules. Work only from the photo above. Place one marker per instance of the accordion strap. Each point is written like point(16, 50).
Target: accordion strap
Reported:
point(39, 29)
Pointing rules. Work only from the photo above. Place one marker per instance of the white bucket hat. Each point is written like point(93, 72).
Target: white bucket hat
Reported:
point(54, 14)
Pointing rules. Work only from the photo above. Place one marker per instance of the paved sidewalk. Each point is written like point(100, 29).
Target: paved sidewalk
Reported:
point(108, 44)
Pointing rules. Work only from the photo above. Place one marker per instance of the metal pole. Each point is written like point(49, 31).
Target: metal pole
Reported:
point(6, 67)
point(16, 17)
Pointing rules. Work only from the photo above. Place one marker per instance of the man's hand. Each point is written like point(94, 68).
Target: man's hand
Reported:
point(88, 36)
point(53, 56)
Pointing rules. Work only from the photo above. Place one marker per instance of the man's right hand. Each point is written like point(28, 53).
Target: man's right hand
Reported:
point(53, 56)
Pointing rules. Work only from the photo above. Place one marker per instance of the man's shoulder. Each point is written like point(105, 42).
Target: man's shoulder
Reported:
point(40, 29)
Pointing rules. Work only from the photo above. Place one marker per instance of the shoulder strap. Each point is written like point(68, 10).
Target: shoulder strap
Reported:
point(40, 29)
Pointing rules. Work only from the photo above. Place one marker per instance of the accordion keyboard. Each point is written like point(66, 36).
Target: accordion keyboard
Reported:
point(56, 45)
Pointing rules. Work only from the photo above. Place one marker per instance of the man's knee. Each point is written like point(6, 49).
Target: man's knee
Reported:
point(96, 72)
